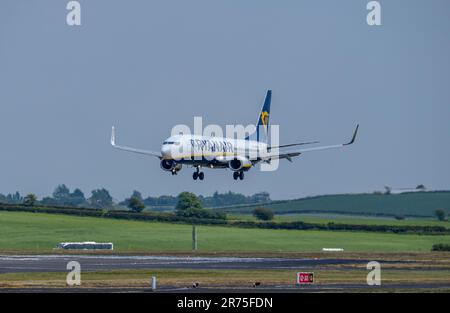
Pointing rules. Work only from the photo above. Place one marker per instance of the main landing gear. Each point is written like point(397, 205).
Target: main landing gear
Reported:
point(239, 175)
point(198, 174)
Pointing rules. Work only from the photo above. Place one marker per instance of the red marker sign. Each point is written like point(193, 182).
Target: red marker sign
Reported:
point(305, 278)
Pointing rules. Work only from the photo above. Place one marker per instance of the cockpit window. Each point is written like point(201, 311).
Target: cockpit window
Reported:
point(171, 143)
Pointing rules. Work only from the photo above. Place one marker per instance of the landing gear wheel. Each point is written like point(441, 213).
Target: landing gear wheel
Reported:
point(195, 175)
point(241, 175)
point(201, 175)
point(235, 175)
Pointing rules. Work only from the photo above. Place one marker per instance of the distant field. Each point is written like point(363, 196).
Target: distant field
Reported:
point(419, 204)
point(325, 218)
point(41, 232)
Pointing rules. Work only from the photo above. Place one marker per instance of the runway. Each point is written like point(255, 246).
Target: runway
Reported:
point(58, 263)
point(238, 289)
point(99, 263)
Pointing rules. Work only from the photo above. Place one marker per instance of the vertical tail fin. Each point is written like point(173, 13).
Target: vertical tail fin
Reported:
point(262, 126)
point(263, 120)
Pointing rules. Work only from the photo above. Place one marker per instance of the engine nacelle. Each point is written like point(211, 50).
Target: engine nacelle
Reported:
point(239, 164)
point(170, 165)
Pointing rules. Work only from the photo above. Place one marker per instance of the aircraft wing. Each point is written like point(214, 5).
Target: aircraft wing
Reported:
point(129, 149)
point(292, 145)
point(288, 155)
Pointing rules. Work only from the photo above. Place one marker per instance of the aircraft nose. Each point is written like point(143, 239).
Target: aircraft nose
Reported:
point(165, 151)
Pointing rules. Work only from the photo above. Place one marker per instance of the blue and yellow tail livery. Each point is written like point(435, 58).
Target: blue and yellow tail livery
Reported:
point(263, 120)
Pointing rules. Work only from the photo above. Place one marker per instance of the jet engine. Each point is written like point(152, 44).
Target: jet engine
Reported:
point(239, 164)
point(170, 165)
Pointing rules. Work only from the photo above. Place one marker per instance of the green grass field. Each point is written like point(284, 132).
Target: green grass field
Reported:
point(325, 218)
point(421, 204)
point(41, 232)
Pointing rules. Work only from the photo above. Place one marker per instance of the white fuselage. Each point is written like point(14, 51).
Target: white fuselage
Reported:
point(203, 148)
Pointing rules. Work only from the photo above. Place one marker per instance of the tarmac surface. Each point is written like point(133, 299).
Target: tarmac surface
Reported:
point(240, 289)
point(58, 263)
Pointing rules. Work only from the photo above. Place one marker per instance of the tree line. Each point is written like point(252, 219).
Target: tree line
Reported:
point(102, 199)
point(216, 200)
point(62, 196)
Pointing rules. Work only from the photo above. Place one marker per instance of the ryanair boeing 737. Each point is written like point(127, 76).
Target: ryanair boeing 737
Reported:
point(238, 155)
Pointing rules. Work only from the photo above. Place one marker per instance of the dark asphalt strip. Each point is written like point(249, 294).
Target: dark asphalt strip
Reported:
point(57, 263)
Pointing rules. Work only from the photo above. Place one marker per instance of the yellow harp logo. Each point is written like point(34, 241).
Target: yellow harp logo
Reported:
point(265, 118)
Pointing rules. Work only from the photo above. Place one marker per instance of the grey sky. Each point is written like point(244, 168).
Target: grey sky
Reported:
point(145, 66)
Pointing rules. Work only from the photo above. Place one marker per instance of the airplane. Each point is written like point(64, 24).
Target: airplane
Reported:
point(238, 155)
